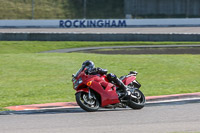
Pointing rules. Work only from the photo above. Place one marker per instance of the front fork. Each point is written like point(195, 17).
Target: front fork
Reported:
point(91, 95)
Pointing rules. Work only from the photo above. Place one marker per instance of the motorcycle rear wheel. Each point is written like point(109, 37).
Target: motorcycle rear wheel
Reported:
point(90, 105)
point(139, 102)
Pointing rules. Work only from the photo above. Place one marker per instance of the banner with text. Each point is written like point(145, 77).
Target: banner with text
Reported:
point(98, 23)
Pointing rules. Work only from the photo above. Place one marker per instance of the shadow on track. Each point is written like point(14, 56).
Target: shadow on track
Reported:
point(60, 111)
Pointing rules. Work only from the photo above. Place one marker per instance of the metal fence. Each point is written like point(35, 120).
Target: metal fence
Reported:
point(162, 8)
point(61, 9)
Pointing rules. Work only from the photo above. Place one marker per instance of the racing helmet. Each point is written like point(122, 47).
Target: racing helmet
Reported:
point(88, 64)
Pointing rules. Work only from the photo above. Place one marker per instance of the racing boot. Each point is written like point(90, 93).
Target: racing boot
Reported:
point(113, 78)
point(126, 93)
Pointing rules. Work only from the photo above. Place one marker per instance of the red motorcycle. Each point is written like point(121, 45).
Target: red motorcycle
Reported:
point(94, 91)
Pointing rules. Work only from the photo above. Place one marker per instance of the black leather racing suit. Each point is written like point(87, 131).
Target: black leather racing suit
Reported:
point(111, 77)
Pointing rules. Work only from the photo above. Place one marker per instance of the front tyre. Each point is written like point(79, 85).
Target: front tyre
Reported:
point(137, 100)
point(86, 103)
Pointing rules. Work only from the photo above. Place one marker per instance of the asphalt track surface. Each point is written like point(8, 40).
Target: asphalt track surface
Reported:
point(140, 49)
point(152, 119)
point(146, 30)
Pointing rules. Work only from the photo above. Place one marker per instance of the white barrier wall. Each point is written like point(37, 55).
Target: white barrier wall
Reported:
point(98, 23)
point(29, 23)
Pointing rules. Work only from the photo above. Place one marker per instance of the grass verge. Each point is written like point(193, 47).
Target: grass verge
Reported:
point(43, 78)
point(28, 77)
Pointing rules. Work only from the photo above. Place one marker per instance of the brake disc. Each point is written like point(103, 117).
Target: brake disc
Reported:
point(88, 101)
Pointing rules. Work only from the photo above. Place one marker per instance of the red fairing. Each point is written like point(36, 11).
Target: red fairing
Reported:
point(129, 79)
point(109, 95)
point(99, 83)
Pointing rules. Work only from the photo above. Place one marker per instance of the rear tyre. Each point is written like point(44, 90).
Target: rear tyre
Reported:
point(137, 100)
point(87, 104)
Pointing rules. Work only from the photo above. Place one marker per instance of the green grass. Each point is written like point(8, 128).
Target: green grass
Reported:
point(29, 78)
point(4, 109)
point(38, 46)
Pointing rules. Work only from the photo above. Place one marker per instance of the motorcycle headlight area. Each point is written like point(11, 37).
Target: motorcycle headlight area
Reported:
point(78, 82)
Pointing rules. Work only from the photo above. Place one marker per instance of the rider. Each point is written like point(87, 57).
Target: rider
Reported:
point(111, 77)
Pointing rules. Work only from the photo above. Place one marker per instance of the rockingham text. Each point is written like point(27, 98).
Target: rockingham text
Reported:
point(92, 23)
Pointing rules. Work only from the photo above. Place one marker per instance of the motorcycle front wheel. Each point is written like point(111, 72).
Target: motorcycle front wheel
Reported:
point(86, 103)
point(137, 100)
